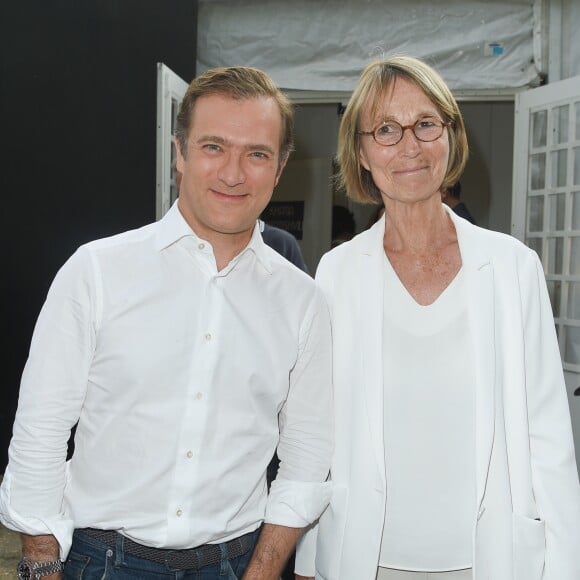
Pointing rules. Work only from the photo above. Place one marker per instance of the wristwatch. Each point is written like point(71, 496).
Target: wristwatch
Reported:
point(29, 570)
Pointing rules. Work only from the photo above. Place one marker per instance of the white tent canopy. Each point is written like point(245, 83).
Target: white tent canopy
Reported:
point(322, 45)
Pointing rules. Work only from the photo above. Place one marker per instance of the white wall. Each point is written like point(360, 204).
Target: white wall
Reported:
point(307, 177)
point(487, 180)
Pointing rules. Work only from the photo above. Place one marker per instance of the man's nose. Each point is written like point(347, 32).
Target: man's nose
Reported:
point(232, 171)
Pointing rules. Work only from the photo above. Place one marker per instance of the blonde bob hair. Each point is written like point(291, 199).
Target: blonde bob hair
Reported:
point(377, 78)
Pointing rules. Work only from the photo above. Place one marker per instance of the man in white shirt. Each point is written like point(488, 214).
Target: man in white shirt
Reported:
point(187, 351)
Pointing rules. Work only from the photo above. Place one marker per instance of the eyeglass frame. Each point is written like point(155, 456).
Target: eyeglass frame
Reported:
point(372, 133)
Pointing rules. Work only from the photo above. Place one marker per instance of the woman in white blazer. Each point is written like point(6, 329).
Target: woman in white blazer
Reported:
point(443, 468)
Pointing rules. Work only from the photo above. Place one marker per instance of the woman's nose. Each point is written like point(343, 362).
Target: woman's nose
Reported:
point(409, 139)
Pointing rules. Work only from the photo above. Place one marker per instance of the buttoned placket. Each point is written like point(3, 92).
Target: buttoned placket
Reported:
point(204, 358)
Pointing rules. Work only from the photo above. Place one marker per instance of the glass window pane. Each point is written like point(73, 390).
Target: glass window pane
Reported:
point(538, 171)
point(539, 130)
point(576, 165)
point(573, 310)
point(536, 245)
point(572, 345)
point(555, 249)
point(554, 290)
point(560, 118)
point(536, 213)
point(576, 210)
point(575, 255)
point(557, 211)
point(559, 167)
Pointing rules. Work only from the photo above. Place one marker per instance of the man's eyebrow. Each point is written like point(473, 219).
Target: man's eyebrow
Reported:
point(213, 138)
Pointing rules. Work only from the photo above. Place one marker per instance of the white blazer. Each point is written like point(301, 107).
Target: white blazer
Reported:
point(526, 521)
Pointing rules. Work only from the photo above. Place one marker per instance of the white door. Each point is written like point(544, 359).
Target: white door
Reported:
point(170, 91)
point(546, 210)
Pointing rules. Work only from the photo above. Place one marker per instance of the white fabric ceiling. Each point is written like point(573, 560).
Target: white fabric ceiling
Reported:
point(322, 45)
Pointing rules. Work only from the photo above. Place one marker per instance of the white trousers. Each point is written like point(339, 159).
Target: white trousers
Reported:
point(390, 574)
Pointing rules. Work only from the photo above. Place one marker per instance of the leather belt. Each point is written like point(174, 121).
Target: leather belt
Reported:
point(192, 558)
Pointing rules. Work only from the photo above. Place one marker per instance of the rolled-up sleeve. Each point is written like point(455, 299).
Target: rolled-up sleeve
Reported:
point(51, 395)
point(301, 490)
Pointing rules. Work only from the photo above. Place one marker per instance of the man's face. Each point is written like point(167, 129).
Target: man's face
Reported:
point(231, 166)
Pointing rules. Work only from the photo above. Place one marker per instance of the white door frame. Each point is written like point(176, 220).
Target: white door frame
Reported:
point(170, 91)
point(546, 209)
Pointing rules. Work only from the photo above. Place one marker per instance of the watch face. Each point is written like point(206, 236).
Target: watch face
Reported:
point(24, 570)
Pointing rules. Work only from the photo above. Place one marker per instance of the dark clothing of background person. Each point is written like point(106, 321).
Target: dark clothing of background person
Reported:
point(284, 243)
point(461, 210)
point(452, 198)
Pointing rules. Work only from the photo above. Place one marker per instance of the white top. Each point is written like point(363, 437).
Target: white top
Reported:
point(178, 373)
point(429, 429)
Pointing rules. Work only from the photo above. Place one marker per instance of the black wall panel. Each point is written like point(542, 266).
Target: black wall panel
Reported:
point(77, 147)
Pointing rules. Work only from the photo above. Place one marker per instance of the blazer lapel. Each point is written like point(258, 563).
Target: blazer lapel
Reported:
point(479, 274)
point(371, 323)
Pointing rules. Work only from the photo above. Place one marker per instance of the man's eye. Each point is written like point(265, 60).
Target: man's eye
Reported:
point(212, 147)
point(259, 155)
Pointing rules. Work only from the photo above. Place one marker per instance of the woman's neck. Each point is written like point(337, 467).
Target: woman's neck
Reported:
point(417, 228)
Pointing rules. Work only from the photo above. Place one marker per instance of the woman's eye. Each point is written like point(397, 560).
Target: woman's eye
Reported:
point(425, 123)
point(386, 129)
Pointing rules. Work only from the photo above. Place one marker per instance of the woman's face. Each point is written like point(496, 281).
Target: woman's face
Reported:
point(412, 170)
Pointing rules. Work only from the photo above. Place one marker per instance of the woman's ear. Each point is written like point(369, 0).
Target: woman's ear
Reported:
point(362, 158)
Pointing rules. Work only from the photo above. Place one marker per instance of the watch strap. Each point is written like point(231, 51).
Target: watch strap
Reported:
point(32, 569)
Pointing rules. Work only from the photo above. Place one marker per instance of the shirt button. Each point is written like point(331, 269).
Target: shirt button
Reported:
point(178, 513)
point(198, 396)
point(208, 337)
point(189, 454)
point(201, 246)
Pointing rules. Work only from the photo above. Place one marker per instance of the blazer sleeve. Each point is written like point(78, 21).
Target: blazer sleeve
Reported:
point(554, 472)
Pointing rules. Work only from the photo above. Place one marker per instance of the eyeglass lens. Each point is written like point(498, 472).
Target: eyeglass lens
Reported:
point(391, 132)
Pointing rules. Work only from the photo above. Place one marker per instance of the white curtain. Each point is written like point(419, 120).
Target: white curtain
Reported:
point(322, 45)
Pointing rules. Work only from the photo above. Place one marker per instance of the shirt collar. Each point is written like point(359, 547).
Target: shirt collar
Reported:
point(172, 227)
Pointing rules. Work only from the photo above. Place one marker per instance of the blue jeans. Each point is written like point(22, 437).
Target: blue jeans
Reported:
point(90, 559)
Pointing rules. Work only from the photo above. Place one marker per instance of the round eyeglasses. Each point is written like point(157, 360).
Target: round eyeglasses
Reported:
point(390, 132)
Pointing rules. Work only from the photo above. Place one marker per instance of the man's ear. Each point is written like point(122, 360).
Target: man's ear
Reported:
point(179, 158)
point(281, 166)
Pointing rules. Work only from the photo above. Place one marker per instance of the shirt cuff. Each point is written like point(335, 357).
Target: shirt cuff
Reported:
point(59, 527)
point(296, 504)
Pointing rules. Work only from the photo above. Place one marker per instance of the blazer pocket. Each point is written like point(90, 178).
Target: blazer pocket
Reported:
point(529, 547)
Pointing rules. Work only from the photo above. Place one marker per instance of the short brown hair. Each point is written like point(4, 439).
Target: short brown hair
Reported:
point(237, 83)
point(374, 80)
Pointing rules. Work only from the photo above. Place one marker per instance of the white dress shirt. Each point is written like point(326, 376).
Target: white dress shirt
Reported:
point(184, 381)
